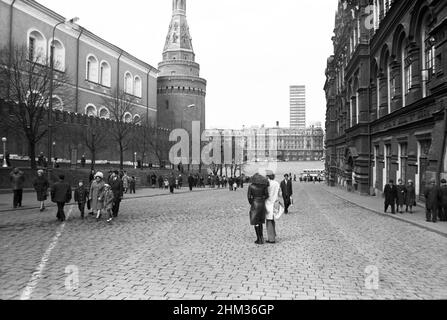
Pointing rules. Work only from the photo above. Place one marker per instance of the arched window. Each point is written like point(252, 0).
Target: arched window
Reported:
point(137, 119)
point(106, 73)
point(138, 87)
point(36, 46)
point(428, 52)
point(128, 83)
point(104, 113)
point(406, 71)
point(128, 117)
point(58, 50)
point(90, 110)
point(57, 103)
point(92, 69)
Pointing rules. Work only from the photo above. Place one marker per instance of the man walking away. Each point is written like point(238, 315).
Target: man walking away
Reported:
point(190, 182)
point(81, 197)
point(116, 185)
point(287, 192)
point(432, 200)
point(17, 179)
point(172, 183)
point(61, 194)
point(390, 193)
point(443, 203)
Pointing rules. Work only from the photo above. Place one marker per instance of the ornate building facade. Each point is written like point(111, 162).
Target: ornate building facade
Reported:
point(386, 93)
point(180, 90)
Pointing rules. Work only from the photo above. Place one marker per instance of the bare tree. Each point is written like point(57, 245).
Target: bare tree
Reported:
point(121, 106)
point(95, 141)
point(25, 84)
point(158, 144)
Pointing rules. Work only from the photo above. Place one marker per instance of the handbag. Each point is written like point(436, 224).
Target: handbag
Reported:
point(278, 210)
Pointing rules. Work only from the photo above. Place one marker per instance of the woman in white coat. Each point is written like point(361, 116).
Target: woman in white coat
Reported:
point(274, 193)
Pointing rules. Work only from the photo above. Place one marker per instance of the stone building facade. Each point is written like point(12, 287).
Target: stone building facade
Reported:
point(95, 68)
point(386, 93)
point(180, 90)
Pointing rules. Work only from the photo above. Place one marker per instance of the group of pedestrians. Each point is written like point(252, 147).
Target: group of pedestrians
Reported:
point(263, 196)
point(400, 196)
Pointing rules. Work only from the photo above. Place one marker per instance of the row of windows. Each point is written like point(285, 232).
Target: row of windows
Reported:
point(92, 111)
point(99, 72)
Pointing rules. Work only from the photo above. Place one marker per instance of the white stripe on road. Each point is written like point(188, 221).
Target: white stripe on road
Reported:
point(32, 283)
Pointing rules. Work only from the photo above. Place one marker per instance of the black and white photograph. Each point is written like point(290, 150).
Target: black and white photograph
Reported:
point(250, 152)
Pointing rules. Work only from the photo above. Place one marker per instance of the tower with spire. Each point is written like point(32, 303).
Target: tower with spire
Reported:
point(180, 90)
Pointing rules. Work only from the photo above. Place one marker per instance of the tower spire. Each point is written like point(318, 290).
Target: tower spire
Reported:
point(178, 7)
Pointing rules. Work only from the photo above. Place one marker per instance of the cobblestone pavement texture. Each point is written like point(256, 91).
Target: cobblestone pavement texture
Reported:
point(200, 245)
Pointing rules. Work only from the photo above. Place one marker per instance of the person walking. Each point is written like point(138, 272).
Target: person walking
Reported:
point(116, 185)
point(107, 199)
point(132, 185)
point(411, 196)
point(61, 195)
point(401, 196)
point(17, 179)
point(81, 197)
point(287, 192)
point(432, 200)
point(41, 185)
point(274, 191)
point(126, 180)
point(257, 194)
point(443, 201)
point(190, 182)
point(390, 194)
point(96, 189)
point(171, 182)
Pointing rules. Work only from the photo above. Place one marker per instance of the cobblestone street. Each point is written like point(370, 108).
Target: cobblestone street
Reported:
point(200, 246)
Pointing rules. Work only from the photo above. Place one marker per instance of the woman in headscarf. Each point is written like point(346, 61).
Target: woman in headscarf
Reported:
point(257, 194)
point(96, 190)
point(41, 186)
point(411, 196)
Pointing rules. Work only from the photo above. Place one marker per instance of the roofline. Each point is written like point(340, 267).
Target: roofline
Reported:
point(58, 17)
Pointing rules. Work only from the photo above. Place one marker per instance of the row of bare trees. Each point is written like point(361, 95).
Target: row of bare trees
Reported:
point(25, 84)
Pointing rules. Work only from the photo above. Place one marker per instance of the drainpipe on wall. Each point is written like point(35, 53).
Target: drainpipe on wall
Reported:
point(443, 148)
point(11, 18)
point(118, 73)
point(77, 69)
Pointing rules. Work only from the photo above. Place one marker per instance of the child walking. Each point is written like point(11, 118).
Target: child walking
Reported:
point(81, 197)
point(107, 198)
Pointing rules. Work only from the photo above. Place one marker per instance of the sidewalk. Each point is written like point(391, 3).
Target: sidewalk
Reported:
point(30, 200)
point(375, 204)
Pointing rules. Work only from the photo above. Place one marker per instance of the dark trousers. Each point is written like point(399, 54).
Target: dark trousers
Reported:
point(132, 189)
point(190, 187)
point(432, 214)
point(287, 203)
point(60, 211)
point(17, 201)
point(171, 188)
point(116, 208)
point(81, 206)
point(393, 206)
point(443, 213)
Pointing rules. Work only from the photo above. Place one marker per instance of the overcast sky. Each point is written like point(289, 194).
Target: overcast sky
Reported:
point(250, 51)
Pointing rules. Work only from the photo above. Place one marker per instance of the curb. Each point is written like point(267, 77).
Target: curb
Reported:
point(395, 217)
point(125, 199)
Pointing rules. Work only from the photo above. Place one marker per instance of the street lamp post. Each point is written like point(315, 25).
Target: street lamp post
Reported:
point(5, 163)
point(50, 102)
point(135, 160)
point(53, 146)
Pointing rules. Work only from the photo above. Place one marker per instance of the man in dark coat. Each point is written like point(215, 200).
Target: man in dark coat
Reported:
point(17, 179)
point(172, 183)
point(443, 202)
point(258, 192)
point(287, 192)
point(390, 194)
point(190, 182)
point(432, 200)
point(116, 185)
point(61, 194)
